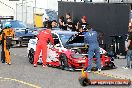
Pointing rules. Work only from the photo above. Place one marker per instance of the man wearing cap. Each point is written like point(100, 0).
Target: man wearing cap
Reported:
point(90, 37)
point(84, 22)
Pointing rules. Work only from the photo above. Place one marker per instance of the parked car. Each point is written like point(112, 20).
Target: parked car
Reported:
point(22, 34)
point(69, 51)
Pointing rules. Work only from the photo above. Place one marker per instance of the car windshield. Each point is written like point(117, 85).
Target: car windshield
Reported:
point(64, 38)
point(17, 24)
point(71, 40)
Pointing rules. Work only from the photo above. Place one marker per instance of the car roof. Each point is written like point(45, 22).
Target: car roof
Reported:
point(63, 32)
point(14, 21)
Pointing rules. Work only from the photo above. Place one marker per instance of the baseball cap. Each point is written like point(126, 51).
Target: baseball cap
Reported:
point(84, 17)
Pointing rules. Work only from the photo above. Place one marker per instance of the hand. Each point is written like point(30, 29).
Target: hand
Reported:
point(51, 46)
point(126, 49)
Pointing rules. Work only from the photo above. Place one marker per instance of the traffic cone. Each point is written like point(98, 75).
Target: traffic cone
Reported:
point(83, 79)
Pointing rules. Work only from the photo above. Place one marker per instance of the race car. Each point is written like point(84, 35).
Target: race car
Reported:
point(69, 51)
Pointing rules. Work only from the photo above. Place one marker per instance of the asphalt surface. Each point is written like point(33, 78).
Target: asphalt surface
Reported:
point(21, 74)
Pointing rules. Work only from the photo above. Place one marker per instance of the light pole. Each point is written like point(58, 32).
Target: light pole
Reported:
point(22, 11)
point(35, 5)
point(16, 11)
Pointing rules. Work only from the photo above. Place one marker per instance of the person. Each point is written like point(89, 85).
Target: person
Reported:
point(70, 25)
point(90, 37)
point(43, 37)
point(6, 37)
point(128, 49)
point(54, 23)
point(62, 23)
point(68, 15)
point(84, 22)
point(45, 23)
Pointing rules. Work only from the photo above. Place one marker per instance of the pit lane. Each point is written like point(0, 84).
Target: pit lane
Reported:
point(48, 77)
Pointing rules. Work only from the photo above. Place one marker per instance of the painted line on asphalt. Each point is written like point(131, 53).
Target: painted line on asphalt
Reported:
point(110, 75)
point(19, 81)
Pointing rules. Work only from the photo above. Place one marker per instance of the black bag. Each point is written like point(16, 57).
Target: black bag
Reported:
point(8, 41)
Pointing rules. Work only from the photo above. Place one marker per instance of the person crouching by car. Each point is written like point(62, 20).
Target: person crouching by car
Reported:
point(90, 37)
point(43, 37)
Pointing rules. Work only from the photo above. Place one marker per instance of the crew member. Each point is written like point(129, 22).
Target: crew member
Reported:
point(6, 36)
point(43, 37)
point(91, 39)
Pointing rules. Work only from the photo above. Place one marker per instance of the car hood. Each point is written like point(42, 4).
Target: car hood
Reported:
point(20, 34)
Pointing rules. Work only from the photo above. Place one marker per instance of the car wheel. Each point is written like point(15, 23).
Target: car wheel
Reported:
point(63, 61)
point(31, 56)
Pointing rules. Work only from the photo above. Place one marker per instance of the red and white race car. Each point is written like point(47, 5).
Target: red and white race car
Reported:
point(68, 52)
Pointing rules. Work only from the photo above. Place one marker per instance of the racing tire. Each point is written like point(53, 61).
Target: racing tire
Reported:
point(31, 56)
point(63, 62)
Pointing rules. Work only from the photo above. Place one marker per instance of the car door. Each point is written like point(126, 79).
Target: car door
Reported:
point(52, 51)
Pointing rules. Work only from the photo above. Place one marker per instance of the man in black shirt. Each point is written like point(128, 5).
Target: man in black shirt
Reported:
point(129, 49)
point(45, 23)
point(84, 22)
point(62, 23)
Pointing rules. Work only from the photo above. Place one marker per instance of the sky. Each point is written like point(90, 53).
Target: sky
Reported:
point(47, 4)
point(53, 4)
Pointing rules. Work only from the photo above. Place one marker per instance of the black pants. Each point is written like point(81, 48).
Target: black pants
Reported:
point(2, 52)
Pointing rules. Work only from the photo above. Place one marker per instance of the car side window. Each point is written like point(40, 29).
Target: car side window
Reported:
point(56, 39)
point(76, 39)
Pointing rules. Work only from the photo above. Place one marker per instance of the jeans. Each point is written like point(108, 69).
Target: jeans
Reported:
point(91, 51)
point(129, 57)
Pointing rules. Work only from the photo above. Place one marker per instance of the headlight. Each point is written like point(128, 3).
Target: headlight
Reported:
point(76, 56)
point(16, 38)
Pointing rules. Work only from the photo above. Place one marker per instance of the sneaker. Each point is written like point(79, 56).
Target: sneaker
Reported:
point(88, 71)
point(35, 65)
point(99, 70)
point(9, 63)
point(66, 68)
point(125, 67)
point(43, 66)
